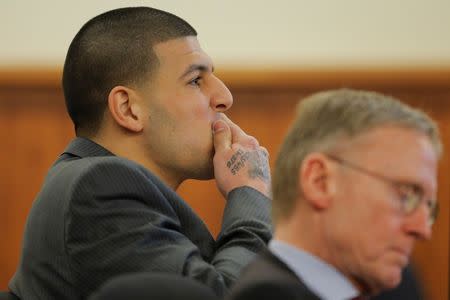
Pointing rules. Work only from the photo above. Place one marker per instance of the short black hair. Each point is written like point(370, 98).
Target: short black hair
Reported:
point(114, 48)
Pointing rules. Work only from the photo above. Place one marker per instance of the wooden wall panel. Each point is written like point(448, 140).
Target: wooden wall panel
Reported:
point(34, 129)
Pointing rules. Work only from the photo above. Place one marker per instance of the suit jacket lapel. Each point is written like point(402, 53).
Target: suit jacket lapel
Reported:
point(289, 272)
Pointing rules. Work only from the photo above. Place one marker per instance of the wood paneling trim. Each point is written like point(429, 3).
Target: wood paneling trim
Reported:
point(30, 78)
point(316, 78)
point(328, 78)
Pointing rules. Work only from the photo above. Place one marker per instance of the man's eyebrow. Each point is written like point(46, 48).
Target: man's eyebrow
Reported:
point(197, 67)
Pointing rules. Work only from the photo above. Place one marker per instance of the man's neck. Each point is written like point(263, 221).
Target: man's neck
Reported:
point(128, 148)
point(305, 235)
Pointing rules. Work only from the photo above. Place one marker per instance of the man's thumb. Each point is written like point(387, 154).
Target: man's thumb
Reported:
point(222, 135)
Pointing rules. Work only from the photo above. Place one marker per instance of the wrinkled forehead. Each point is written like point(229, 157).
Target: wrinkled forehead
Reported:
point(402, 153)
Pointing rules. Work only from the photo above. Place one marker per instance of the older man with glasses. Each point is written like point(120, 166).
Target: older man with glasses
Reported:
point(354, 188)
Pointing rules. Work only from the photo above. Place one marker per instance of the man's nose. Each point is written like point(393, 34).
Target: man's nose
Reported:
point(418, 223)
point(221, 98)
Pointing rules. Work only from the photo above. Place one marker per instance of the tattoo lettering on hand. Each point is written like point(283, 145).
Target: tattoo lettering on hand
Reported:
point(256, 160)
point(237, 161)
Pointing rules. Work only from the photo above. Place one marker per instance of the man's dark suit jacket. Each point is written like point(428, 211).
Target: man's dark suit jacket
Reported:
point(99, 215)
point(269, 278)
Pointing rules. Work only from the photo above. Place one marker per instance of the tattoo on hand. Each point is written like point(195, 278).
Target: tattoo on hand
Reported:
point(257, 164)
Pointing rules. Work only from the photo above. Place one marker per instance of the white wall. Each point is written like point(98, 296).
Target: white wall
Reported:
point(252, 33)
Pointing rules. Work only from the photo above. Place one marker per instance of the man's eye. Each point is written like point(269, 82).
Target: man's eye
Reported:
point(195, 81)
point(410, 197)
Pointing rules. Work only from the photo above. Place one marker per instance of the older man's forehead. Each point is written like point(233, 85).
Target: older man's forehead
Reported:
point(403, 153)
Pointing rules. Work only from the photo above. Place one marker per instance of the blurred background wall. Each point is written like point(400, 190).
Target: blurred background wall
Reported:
point(270, 53)
point(243, 33)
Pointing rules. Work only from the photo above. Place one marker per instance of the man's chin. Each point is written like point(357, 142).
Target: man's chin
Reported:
point(382, 281)
point(392, 278)
point(204, 177)
point(205, 173)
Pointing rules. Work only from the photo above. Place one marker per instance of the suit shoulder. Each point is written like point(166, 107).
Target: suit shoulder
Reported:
point(266, 277)
point(267, 267)
point(83, 179)
point(93, 164)
point(98, 169)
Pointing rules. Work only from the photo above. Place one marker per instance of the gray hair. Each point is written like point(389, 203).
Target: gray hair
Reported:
point(324, 118)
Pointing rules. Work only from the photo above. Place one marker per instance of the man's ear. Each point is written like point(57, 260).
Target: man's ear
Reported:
point(125, 109)
point(316, 180)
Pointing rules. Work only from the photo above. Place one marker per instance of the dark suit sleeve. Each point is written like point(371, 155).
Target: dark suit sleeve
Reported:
point(119, 222)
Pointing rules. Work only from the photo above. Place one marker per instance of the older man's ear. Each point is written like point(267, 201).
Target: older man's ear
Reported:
point(316, 180)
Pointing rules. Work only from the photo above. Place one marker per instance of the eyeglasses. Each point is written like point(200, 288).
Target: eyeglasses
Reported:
point(411, 195)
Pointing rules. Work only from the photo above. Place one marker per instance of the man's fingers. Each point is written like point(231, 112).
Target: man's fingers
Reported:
point(238, 135)
point(238, 159)
point(222, 135)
